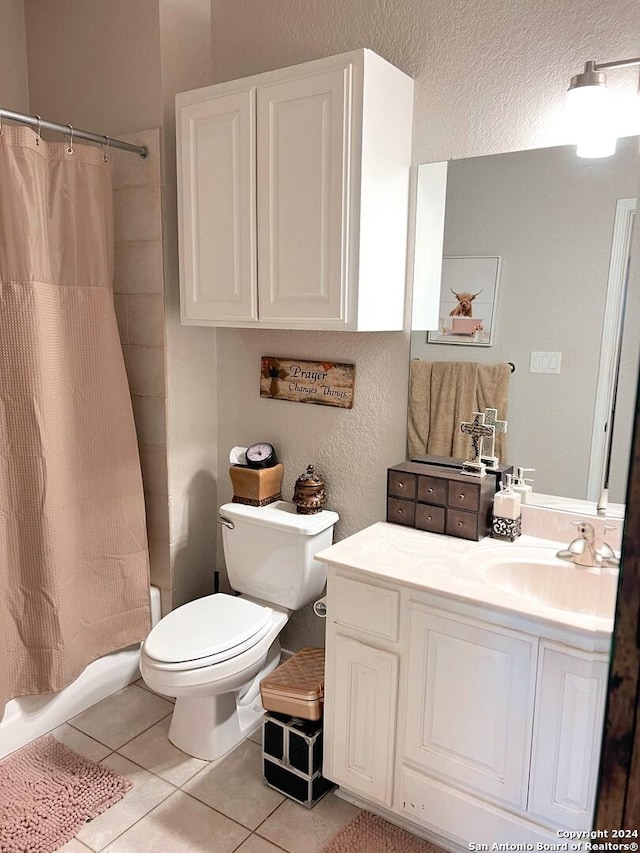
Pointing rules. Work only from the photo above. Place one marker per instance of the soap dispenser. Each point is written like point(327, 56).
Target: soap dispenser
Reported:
point(506, 522)
point(521, 485)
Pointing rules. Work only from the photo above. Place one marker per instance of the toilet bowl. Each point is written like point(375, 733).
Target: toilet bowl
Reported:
point(209, 718)
point(212, 653)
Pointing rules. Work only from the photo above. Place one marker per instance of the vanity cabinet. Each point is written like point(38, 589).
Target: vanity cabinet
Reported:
point(363, 689)
point(469, 702)
point(471, 725)
point(570, 702)
point(293, 195)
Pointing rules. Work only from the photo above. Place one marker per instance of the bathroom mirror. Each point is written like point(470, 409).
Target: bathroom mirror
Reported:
point(562, 228)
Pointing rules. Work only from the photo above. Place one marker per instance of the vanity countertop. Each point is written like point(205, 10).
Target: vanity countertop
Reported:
point(472, 572)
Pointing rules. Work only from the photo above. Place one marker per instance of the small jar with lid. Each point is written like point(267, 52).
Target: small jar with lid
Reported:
point(309, 494)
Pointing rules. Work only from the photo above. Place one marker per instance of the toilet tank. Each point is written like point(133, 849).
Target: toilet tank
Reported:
point(270, 552)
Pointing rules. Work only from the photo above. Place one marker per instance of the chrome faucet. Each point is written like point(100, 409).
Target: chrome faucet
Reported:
point(583, 550)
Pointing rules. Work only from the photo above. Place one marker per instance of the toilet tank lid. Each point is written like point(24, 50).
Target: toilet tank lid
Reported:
point(281, 515)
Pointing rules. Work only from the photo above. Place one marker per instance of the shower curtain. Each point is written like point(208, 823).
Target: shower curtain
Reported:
point(74, 573)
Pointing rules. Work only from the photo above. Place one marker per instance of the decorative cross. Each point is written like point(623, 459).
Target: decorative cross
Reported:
point(478, 431)
point(487, 450)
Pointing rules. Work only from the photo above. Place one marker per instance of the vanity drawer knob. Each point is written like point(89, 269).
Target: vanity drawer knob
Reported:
point(400, 511)
point(400, 484)
point(461, 497)
point(461, 524)
point(429, 518)
point(430, 490)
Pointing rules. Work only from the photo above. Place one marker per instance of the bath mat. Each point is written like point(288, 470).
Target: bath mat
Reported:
point(368, 833)
point(47, 792)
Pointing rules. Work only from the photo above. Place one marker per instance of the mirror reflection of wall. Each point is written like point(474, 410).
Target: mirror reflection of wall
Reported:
point(550, 216)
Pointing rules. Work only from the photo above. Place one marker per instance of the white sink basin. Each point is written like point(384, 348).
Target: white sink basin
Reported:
point(547, 580)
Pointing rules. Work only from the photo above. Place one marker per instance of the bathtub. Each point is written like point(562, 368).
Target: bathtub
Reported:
point(29, 717)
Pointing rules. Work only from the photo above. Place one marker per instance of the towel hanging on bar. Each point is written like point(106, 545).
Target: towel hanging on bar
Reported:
point(443, 394)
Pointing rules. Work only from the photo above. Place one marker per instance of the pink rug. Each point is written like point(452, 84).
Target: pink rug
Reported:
point(47, 792)
point(368, 833)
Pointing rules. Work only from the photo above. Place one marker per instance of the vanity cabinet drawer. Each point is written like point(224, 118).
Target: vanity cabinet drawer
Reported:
point(365, 607)
point(432, 490)
point(462, 524)
point(431, 518)
point(401, 512)
point(463, 495)
point(402, 485)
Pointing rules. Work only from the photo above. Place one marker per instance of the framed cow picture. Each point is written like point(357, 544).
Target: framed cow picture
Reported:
point(468, 299)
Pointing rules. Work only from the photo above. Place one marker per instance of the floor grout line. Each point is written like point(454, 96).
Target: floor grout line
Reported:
point(275, 844)
point(146, 769)
point(217, 811)
point(271, 813)
point(145, 730)
point(93, 737)
point(254, 835)
point(109, 746)
point(142, 817)
point(197, 799)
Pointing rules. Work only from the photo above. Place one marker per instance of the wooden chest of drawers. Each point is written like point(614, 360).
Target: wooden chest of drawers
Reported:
point(440, 500)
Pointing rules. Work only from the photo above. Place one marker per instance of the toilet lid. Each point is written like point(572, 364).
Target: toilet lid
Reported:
point(207, 627)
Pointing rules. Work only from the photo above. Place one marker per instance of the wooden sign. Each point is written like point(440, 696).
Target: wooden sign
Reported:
point(326, 383)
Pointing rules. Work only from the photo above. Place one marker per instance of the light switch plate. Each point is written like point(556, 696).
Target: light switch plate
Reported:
point(545, 362)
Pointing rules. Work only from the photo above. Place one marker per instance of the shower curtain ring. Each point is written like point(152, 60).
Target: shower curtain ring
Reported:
point(105, 150)
point(70, 148)
point(38, 137)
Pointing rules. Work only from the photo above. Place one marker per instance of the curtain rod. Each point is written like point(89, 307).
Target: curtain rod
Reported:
point(72, 132)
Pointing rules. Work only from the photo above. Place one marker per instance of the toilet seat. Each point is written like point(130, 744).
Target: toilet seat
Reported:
point(206, 631)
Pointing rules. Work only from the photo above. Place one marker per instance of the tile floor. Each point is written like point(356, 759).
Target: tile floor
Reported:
point(180, 804)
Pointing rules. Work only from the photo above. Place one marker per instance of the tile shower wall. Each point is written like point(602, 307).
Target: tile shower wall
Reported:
point(139, 302)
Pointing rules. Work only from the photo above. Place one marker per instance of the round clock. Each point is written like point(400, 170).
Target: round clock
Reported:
point(261, 455)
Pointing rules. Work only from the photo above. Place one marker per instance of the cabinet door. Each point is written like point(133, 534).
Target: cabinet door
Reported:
point(569, 717)
point(303, 181)
point(217, 202)
point(470, 692)
point(363, 718)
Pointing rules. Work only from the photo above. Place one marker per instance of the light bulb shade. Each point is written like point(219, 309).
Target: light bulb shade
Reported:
point(591, 121)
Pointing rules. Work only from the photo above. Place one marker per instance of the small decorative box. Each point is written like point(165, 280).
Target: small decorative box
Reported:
point(297, 686)
point(440, 499)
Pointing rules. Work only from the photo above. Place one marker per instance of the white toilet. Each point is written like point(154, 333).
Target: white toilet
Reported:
point(212, 653)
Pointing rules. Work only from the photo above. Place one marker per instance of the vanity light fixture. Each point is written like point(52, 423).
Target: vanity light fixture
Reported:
point(589, 108)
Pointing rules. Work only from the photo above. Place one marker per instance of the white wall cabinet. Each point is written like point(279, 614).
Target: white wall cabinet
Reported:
point(293, 197)
point(497, 731)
